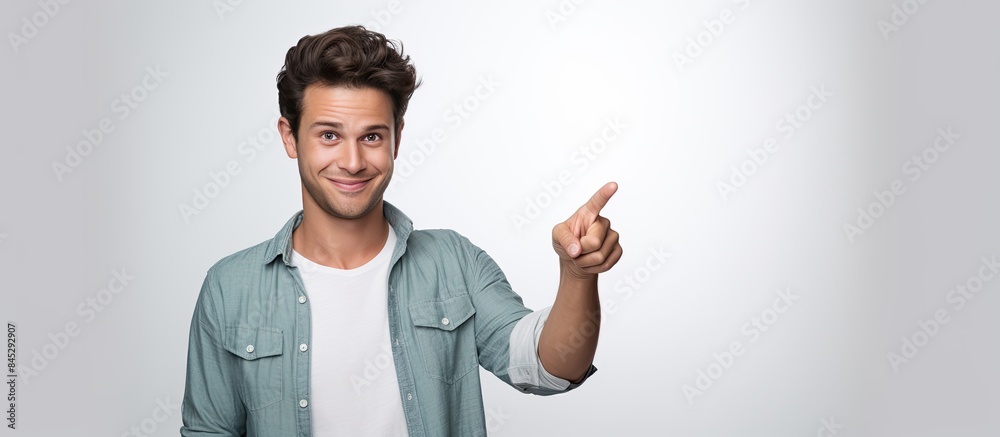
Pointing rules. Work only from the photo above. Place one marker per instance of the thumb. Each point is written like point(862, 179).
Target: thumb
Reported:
point(563, 235)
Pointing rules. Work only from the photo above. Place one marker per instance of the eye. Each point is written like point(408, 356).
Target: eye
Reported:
point(328, 136)
point(372, 137)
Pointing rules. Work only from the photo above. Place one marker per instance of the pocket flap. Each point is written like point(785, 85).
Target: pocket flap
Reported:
point(252, 343)
point(446, 314)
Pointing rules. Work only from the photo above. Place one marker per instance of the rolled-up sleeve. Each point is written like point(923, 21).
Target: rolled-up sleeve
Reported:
point(525, 369)
point(211, 405)
point(506, 331)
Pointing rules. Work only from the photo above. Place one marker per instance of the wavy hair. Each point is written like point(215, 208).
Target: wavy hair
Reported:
point(350, 56)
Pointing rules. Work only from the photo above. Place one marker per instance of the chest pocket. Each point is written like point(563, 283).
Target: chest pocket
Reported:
point(259, 366)
point(446, 337)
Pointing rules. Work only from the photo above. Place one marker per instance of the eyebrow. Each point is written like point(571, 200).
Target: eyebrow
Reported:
point(340, 126)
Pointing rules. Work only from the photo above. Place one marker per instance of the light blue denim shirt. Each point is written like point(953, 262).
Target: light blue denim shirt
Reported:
point(450, 310)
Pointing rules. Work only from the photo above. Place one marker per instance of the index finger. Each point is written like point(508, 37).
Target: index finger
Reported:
point(601, 197)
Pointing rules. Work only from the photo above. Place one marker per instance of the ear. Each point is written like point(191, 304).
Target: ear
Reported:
point(399, 138)
point(285, 130)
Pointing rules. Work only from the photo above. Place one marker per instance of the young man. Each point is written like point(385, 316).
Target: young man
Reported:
point(349, 322)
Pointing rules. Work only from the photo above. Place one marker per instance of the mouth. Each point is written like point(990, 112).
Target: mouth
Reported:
point(350, 185)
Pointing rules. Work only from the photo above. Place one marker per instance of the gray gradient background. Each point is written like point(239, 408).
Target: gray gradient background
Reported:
point(825, 357)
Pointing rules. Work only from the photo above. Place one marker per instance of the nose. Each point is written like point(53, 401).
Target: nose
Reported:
point(353, 160)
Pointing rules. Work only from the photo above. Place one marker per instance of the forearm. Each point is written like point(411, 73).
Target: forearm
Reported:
point(568, 340)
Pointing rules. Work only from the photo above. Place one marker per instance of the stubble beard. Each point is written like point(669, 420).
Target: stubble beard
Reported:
point(349, 211)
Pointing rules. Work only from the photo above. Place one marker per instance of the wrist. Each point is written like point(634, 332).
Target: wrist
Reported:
point(571, 272)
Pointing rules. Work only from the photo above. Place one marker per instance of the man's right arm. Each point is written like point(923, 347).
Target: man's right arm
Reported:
point(211, 405)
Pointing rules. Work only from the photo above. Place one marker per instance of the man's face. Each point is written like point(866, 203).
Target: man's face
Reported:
point(345, 148)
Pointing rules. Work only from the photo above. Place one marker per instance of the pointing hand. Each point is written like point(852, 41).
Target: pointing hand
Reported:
point(585, 242)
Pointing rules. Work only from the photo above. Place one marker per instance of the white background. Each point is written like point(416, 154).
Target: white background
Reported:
point(563, 69)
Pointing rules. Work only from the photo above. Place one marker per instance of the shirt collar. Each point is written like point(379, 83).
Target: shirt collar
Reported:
point(281, 244)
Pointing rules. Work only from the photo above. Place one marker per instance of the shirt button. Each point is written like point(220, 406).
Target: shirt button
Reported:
point(409, 396)
point(302, 299)
point(303, 347)
point(249, 348)
point(303, 403)
point(397, 341)
point(445, 321)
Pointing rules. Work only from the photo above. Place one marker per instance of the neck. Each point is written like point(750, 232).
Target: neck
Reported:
point(338, 242)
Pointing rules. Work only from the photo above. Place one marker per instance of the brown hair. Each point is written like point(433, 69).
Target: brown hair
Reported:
point(349, 56)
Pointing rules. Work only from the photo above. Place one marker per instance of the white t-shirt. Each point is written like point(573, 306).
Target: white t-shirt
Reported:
point(353, 386)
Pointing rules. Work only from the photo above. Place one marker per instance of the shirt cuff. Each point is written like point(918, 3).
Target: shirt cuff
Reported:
point(525, 369)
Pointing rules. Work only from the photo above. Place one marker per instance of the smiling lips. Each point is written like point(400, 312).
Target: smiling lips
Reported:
point(349, 184)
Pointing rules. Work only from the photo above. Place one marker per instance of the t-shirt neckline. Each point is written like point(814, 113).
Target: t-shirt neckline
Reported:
point(310, 266)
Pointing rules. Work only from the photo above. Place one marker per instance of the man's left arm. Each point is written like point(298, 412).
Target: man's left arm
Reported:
point(587, 246)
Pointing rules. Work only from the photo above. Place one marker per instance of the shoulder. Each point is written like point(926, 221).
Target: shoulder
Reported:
point(240, 266)
point(443, 250)
point(438, 241)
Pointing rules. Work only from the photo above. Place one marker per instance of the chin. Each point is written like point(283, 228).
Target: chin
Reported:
point(355, 208)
